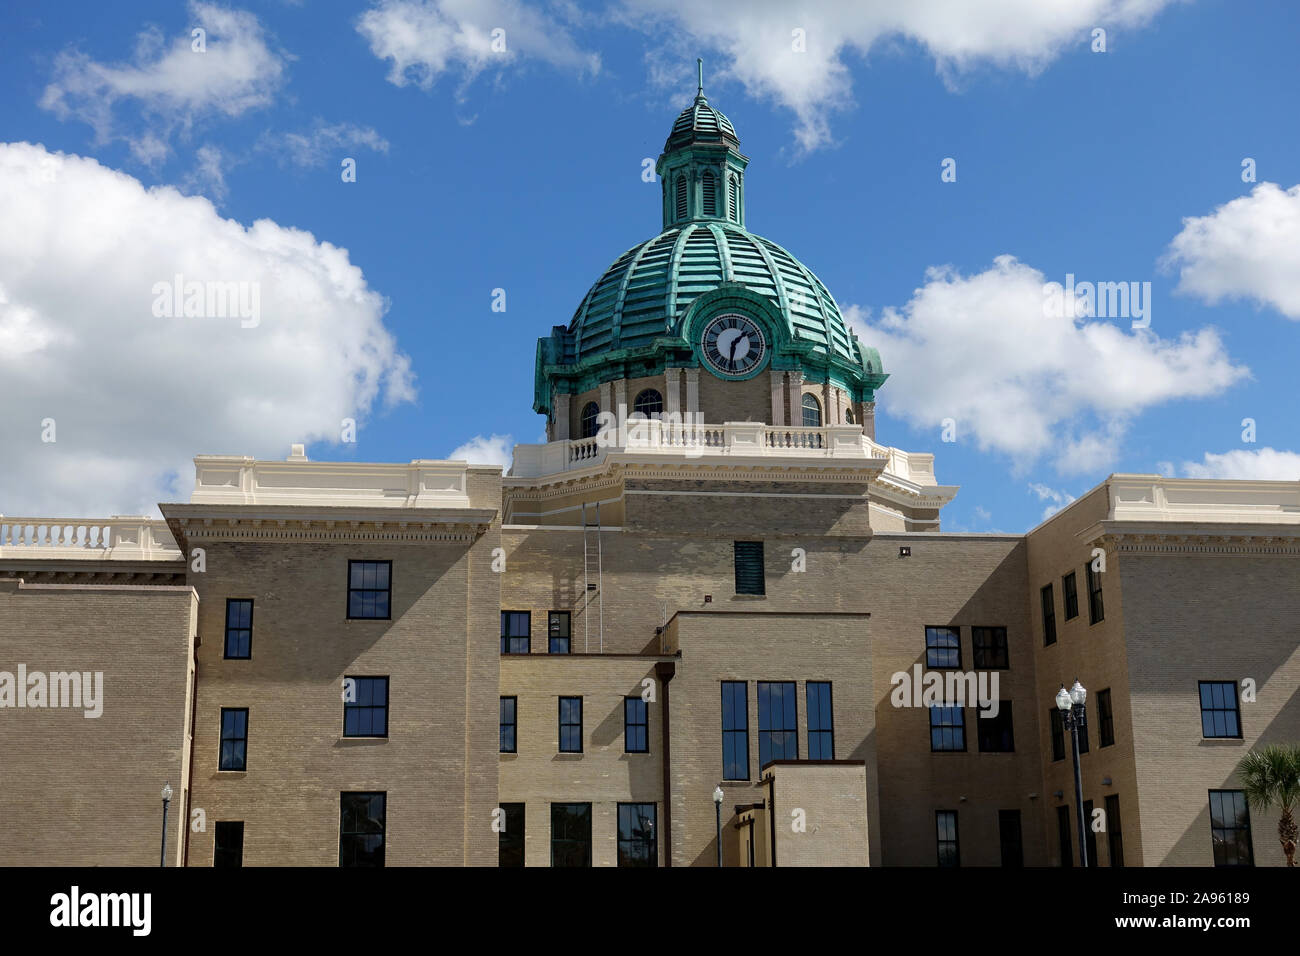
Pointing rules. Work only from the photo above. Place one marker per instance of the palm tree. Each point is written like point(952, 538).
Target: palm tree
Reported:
point(1270, 776)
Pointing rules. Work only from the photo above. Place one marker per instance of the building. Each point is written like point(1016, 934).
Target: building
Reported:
point(709, 603)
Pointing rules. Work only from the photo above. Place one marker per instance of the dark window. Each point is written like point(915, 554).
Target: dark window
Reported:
point(995, 733)
point(778, 724)
point(1049, 615)
point(234, 738)
point(361, 828)
point(1230, 828)
point(1096, 612)
point(732, 201)
point(229, 847)
point(589, 422)
point(509, 716)
point(649, 403)
point(947, 728)
point(735, 730)
point(559, 631)
point(821, 721)
point(636, 726)
point(1220, 712)
point(516, 632)
point(1114, 832)
point(1105, 719)
point(510, 843)
point(367, 716)
point(570, 725)
point(1083, 736)
point(946, 831)
point(570, 834)
point(812, 412)
point(943, 647)
point(1063, 836)
point(1058, 733)
point(1089, 833)
point(990, 647)
point(1071, 593)
point(1013, 851)
point(370, 589)
point(749, 568)
point(239, 628)
point(637, 843)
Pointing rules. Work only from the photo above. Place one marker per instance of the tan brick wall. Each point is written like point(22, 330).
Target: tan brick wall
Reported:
point(821, 814)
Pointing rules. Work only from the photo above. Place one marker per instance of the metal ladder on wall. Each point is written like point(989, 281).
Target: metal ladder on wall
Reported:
point(591, 579)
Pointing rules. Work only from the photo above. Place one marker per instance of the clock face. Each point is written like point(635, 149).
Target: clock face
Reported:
point(733, 344)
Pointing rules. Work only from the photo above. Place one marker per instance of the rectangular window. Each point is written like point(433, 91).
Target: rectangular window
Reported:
point(1083, 735)
point(229, 846)
point(239, 628)
point(570, 725)
point(1063, 836)
point(1220, 711)
point(821, 721)
point(946, 831)
point(570, 834)
point(637, 842)
point(1114, 832)
point(1058, 733)
point(370, 590)
point(943, 647)
point(990, 647)
point(735, 730)
point(234, 738)
point(995, 733)
point(1049, 615)
point(947, 729)
point(1230, 828)
point(558, 632)
point(1013, 849)
point(1096, 612)
point(1071, 592)
point(510, 845)
point(1089, 833)
point(367, 715)
point(636, 726)
point(1105, 718)
point(778, 723)
point(749, 568)
point(361, 828)
point(509, 710)
point(516, 632)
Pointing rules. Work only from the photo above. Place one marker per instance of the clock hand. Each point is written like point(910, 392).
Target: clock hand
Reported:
point(731, 356)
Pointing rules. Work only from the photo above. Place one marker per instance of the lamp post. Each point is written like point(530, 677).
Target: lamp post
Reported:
point(1075, 716)
point(717, 813)
point(167, 798)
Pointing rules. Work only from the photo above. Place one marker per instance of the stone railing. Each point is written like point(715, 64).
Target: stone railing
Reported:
point(121, 538)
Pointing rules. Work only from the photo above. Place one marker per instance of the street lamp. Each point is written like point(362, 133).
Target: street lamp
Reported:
point(717, 812)
point(167, 798)
point(1075, 716)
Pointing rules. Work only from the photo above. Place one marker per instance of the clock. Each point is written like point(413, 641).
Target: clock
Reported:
point(733, 344)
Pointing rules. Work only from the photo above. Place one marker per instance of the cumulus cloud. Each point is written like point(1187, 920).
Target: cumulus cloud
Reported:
point(807, 72)
point(85, 257)
point(1258, 464)
point(425, 39)
point(1058, 499)
point(1248, 248)
point(486, 450)
point(1023, 380)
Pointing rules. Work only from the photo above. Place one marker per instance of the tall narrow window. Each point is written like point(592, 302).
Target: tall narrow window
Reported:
point(510, 844)
point(1230, 828)
point(778, 724)
point(1220, 711)
point(709, 186)
point(942, 647)
point(509, 718)
point(1096, 612)
point(750, 578)
point(1070, 591)
point(636, 726)
point(812, 411)
point(239, 628)
point(228, 848)
point(1105, 719)
point(367, 714)
point(947, 729)
point(733, 201)
point(1089, 834)
point(570, 725)
point(1065, 846)
point(946, 831)
point(995, 733)
point(1049, 615)
point(1057, 721)
point(234, 738)
point(570, 834)
point(516, 632)
point(821, 725)
point(990, 647)
point(1114, 831)
point(558, 629)
point(1009, 837)
point(735, 730)
point(681, 197)
point(370, 590)
point(589, 422)
point(637, 841)
point(362, 819)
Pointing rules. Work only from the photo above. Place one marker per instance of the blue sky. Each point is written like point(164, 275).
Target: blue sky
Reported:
point(479, 169)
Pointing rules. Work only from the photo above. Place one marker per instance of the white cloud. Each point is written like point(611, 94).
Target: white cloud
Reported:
point(425, 39)
point(322, 142)
point(1248, 248)
point(135, 396)
point(758, 45)
point(171, 83)
point(1264, 464)
point(486, 450)
point(982, 350)
point(1058, 499)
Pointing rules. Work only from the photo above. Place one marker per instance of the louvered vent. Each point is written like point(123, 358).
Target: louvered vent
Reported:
point(681, 198)
point(710, 194)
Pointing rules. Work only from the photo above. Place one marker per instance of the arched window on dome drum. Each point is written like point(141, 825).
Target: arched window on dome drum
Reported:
point(681, 197)
point(587, 426)
point(710, 184)
point(848, 417)
point(812, 412)
point(649, 403)
point(731, 200)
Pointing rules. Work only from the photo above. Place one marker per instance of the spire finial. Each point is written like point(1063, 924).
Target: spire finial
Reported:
point(699, 63)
